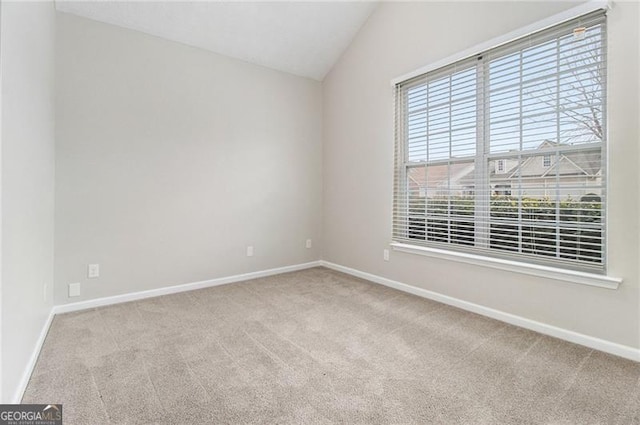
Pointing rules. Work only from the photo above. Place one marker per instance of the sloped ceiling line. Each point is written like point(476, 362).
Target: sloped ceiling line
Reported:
point(301, 38)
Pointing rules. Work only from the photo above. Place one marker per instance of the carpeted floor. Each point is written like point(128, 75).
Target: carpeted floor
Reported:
point(317, 346)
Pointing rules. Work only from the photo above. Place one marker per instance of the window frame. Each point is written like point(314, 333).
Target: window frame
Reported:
point(483, 159)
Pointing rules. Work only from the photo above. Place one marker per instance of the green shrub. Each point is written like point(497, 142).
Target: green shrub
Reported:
point(527, 225)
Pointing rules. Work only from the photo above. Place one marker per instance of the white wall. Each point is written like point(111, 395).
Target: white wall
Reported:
point(170, 160)
point(358, 164)
point(27, 142)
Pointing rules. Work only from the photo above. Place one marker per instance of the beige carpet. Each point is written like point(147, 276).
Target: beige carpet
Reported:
point(318, 346)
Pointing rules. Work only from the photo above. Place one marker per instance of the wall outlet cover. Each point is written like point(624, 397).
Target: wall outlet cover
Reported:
point(250, 251)
point(74, 289)
point(308, 245)
point(93, 271)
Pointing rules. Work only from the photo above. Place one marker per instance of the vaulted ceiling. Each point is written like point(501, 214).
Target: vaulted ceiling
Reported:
point(301, 38)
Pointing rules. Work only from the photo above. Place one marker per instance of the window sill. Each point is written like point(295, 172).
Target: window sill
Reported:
point(572, 276)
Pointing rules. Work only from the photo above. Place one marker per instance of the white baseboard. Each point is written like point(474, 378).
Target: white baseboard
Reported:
point(588, 341)
point(26, 375)
point(543, 328)
point(133, 296)
point(83, 305)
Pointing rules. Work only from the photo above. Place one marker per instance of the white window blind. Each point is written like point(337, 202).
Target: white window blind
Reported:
point(503, 153)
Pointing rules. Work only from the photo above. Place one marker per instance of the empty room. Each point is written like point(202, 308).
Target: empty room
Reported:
point(319, 212)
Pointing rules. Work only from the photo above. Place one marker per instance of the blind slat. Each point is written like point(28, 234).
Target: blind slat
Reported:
point(503, 154)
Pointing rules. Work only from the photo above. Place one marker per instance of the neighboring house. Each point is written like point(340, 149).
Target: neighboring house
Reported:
point(579, 174)
point(434, 180)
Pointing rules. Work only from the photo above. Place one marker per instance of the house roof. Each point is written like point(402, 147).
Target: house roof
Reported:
point(570, 163)
point(577, 163)
point(434, 177)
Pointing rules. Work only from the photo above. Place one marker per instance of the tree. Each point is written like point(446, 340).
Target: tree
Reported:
point(576, 91)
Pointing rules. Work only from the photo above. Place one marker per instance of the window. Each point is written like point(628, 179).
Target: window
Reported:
point(469, 138)
point(502, 190)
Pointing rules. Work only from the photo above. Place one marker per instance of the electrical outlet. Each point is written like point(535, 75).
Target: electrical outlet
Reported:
point(385, 255)
point(250, 251)
point(308, 245)
point(74, 289)
point(93, 271)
